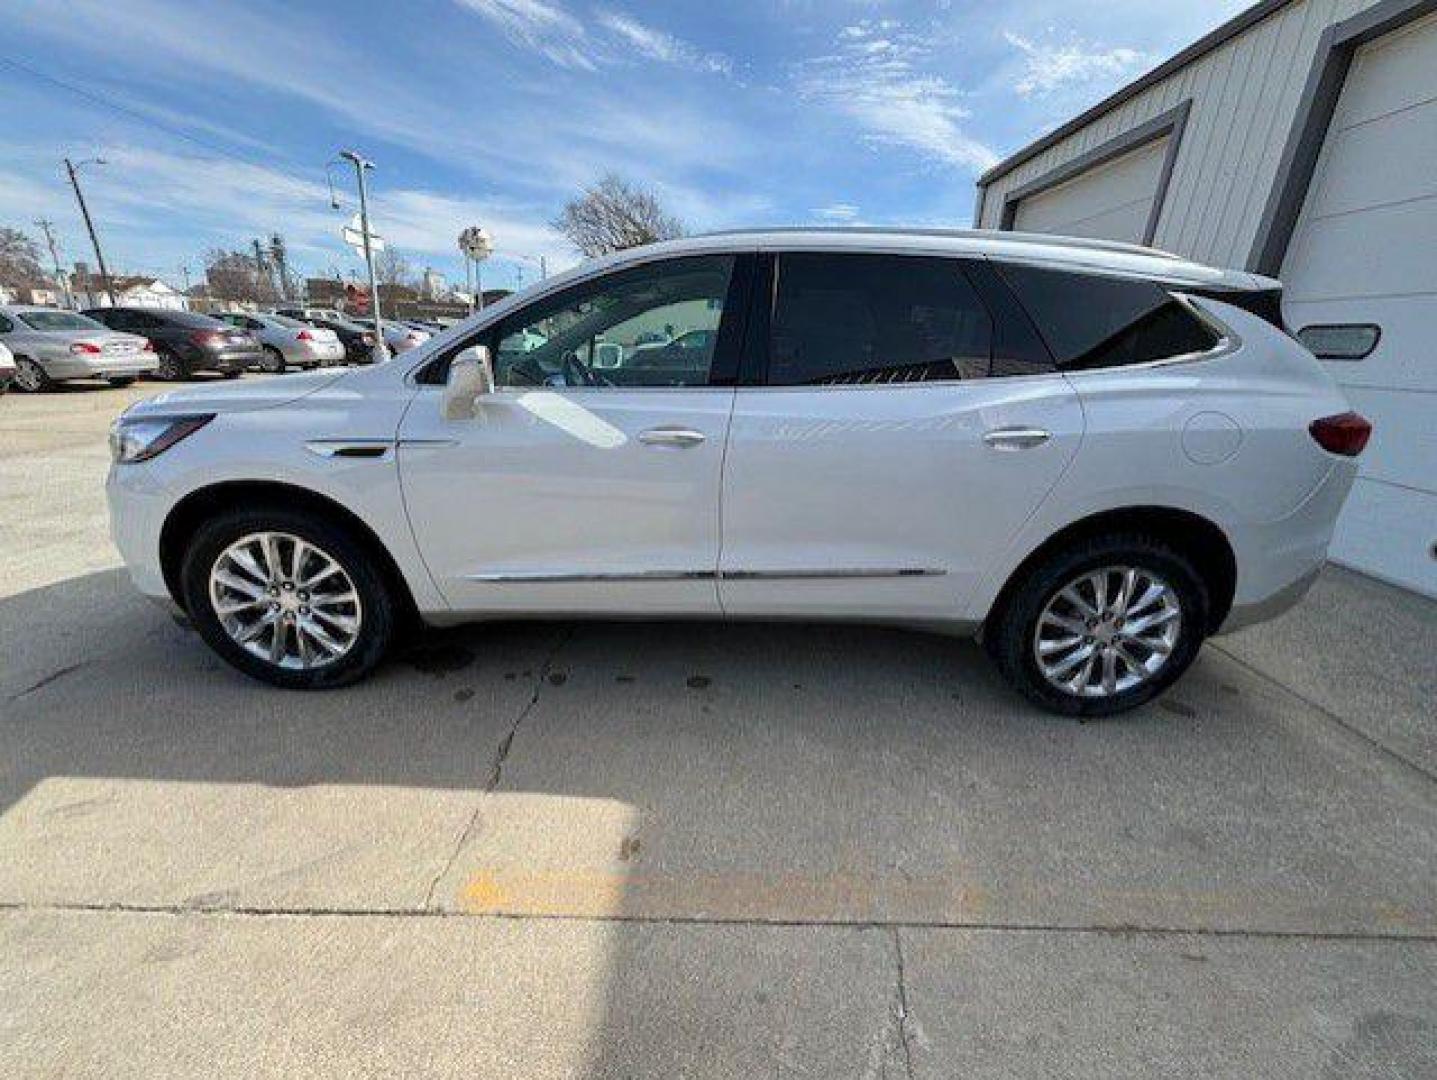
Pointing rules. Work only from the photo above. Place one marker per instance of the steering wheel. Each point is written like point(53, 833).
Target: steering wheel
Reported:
point(578, 373)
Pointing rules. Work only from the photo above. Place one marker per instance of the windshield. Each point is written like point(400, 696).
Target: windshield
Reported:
point(59, 322)
point(284, 320)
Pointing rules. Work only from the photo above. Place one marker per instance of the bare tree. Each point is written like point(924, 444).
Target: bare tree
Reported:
point(234, 275)
point(392, 268)
point(613, 215)
point(20, 260)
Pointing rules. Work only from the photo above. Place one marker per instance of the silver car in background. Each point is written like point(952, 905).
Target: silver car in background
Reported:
point(52, 346)
point(288, 342)
point(7, 368)
point(401, 337)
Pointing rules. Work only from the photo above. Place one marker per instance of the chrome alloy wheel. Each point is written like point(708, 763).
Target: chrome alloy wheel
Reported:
point(1108, 631)
point(29, 376)
point(285, 600)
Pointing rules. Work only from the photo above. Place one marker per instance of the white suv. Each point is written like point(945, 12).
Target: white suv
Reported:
point(1094, 455)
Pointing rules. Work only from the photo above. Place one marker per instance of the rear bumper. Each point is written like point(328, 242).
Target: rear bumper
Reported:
point(228, 360)
point(320, 352)
point(98, 367)
point(1278, 562)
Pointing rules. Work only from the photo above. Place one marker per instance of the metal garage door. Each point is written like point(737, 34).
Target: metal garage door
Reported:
point(1110, 202)
point(1365, 251)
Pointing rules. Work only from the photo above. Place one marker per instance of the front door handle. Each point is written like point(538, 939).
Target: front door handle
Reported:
point(671, 436)
point(1017, 438)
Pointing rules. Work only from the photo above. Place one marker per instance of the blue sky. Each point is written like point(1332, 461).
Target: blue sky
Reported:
point(217, 118)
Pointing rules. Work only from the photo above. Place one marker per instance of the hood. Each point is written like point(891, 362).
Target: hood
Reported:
point(245, 396)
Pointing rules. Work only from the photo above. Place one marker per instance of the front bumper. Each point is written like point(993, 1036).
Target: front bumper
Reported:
point(138, 506)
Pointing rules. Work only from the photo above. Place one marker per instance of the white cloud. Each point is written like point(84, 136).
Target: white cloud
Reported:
point(659, 45)
point(876, 79)
point(1051, 67)
point(840, 212)
point(541, 26)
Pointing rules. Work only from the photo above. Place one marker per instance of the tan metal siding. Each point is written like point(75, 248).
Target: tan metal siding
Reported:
point(1245, 95)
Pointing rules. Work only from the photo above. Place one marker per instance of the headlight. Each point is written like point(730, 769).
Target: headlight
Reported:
point(141, 438)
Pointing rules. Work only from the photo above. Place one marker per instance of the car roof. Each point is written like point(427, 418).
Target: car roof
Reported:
point(1076, 253)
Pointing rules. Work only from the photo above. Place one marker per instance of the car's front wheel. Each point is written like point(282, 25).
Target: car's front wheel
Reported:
point(288, 597)
point(1101, 626)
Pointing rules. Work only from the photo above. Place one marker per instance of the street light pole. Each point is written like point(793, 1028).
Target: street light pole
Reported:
point(381, 351)
point(90, 225)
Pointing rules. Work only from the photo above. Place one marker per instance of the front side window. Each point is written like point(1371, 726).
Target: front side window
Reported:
point(652, 326)
point(1090, 321)
point(852, 318)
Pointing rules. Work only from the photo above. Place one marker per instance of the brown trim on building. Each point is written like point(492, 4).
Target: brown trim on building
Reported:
point(1169, 125)
point(1206, 44)
point(1325, 80)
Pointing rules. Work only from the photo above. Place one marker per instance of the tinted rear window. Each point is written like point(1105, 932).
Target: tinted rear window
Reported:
point(876, 318)
point(1090, 321)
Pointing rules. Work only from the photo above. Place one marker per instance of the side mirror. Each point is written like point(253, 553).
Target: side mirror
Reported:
point(471, 376)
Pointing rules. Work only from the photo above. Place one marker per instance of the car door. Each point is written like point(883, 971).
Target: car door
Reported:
point(584, 485)
point(908, 423)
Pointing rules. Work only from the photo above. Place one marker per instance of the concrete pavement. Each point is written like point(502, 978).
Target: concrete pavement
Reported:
point(695, 850)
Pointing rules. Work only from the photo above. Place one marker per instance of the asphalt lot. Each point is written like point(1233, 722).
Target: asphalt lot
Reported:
point(693, 850)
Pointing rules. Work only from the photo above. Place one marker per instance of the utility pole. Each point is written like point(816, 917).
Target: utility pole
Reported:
point(71, 168)
point(381, 350)
point(281, 262)
point(47, 226)
point(261, 275)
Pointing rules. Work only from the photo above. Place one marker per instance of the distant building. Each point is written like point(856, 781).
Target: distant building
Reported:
point(132, 290)
point(32, 297)
point(434, 285)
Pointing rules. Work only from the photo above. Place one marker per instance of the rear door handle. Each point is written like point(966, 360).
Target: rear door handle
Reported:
point(671, 436)
point(1017, 438)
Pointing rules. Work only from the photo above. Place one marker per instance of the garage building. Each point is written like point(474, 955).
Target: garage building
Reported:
point(1297, 140)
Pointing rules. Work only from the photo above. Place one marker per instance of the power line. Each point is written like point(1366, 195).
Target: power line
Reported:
point(139, 117)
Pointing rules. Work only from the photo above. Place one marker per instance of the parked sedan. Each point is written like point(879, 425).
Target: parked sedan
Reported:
point(52, 346)
point(358, 341)
point(1093, 456)
point(288, 342)
point(7, 368)
point(401, 337)
point(186, 341)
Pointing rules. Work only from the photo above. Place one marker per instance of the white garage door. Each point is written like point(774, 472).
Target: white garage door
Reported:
point(1111, 202)
point(1365, 251)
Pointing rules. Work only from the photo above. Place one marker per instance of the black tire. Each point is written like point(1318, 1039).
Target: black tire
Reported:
point(380, 614)
point(232, 374)
point(273, 361)
point(1010, 632)
point(169, 367)
point(31, 378)
point(119, 381)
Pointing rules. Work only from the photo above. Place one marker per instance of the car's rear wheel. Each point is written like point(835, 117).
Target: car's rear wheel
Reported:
point(288, 597)
point(170, 367)
point(1102, 626)
point(273, 361)
point(31, 377)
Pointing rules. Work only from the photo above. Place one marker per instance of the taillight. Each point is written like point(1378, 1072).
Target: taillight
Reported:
point(304, 335)
point(149, 346)
point(84, 348)
point(207, 338)
point(1346, 433)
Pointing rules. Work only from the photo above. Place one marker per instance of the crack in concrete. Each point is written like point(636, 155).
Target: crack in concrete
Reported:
point(181, 909)
point(48, 679)
point(496, 767)
point(902, 1005)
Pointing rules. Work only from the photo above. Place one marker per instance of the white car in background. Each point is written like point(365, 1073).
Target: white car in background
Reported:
point(288, 342)
point(50, 346)
point(1092, 455)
